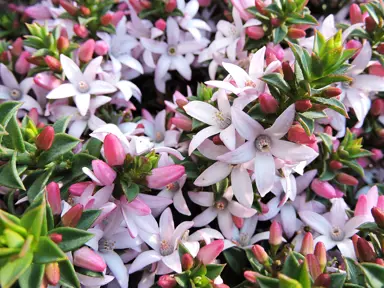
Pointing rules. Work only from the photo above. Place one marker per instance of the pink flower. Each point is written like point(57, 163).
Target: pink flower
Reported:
point(209, 252)
point(102, 175)
point(113, 150)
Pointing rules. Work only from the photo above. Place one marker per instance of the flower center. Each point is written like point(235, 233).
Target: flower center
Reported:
point(223, 121)
point(173, 187)
point(263, 143)
point(244, 239)
point(250, 83)
point(83, 86)
point(172, 50)
point(15, 94)
point(221, 204)
point(337, 234)
point(106, 245)
point(165, 248)
point(233, 31)
point(159, 137)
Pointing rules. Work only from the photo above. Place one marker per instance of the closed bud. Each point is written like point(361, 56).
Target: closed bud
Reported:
point(101, 48)
point(187, 261)
point(355, 238)
point(379, 261)
point(72, 10)
point(324, 280)
point(80, 30)
point(54, 198)
point(161, 24)
point(307, 244)
point(288, 72)
point(295, 33)
point(255, 32)
point(275, 234)
point(73, 215)
point(181, 103)
point(355, 14)
point(85, 11)
point(52, 273)
point(260, 6)
point(323, 189)
point(366, 253)
point(62, 44)
point(216, 140)
point(275, 22)
point(321, 255)
point(268, 103)
point(167, 281)
point(78, 189)
point(260, 254)
point(86, 51)
point(182, 123)
point(5, 57)
point(55, 237)
point(238, 221)
point(335, 165)
point(377, 154)
point(298, 135)
point(45, 139)
point(17, 47)
point(88, 259)
point(170, 5)
point(209, 252)
point(52, 63)
point(332, 92)
point(347, 179)
point(380, 48)
point(313, 266)
point(103, 172)
point(113, 150)
point(162, 176)
point(376, 69)
point(377, 107)
point(370, 24)
point(22, 65)
point(378, 215)
point(251, 276)
point(106, 19)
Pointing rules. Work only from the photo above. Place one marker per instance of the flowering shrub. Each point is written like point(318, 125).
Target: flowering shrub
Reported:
point(194, 143)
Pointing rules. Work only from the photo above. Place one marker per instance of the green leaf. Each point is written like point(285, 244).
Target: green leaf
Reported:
point(374, 274)
point(62, 144)
point(87, 219)
point(279, 34)
point(236, 259)
point(9, 176)
point(286, 282)
point(299, 19)
point(68, 276)
point(11, 272)
point(93, 147)
point(337, 280)
point(196, 124)
point(354, 272)
point(39, 184)
point(291, 266)
point(182, 280)
point(329, 79)
point(371, 11)
point(47, 251)
point(354, 165)
point(15, 135)
point(314, 114)
point(301, 59)
point(214, 270)
point(276, 80)
point(61, 125)
point(327, 141)
point(331, 103)
point(32, 277)
point(256, 265)
point(307, 123)
point(267, 282)
point(304, 277)
point(33, 219)
point(130, 191)
point(72, 238)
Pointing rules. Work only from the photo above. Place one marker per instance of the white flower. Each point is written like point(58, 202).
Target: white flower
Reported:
point(127, 89)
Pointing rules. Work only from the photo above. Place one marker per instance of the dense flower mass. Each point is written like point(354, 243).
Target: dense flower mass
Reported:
point(192, 143)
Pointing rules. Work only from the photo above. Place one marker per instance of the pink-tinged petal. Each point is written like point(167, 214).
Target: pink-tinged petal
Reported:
point(160, 120)
point(162, 66)
point(205, 234)
point(131, 63)
point(264, 172)
point(30, 103)
point(180, 204)
point(7, 77)
point(26, 85)
point(228, 136)
point(131, 225)
point(103, 172)
point(205, 199)
point(242, 186)
point(154, 46)
point(91, 175)
point(206, 217)
point(246, 126)
point(259, 236)
point(239, 210)
point(180, 230)
point(147, 223)
point(122, 240)
point(95, 122)
point(225, 222)
point(202, 111)
point(231, 50)
point(288, 219)
point(156, 202)
point(82, 102)
point(316, 222)
point(171, 138)
point(273, 209)
point(303, 182)
point(97, 102)
point(368, 83)
point(170, 151)
point(346, 248)
point(92, 69)
point(292, 152)
point(326, 240)
point(223, 102)
point(166, 224)
point(362, 59)
point(77, 128)
point(223, 85)
point(71, 70)
point(201, 136)
point(361, 207)
point(211, 150)
point(350, 228)
point(89, 281)
point(153, 240)
point(63, 91)
point(144, 259)
point(106, 210)
point(237, 73)
point(213, 174)
point(243, 154)
point(209, 252)
point(147, 279)
point(282, 123)
point(139, 207)
point(125, 89)
point(190, 47)
point(372, 196)
point(173, 261)
point(173, 31)
point(101, 87)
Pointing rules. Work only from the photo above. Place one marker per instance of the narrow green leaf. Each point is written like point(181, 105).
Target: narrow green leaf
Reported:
point(33, 219)
point(39, 184)
point(72, 238)
point(279, 34)
point(276, 80)
point(87, 219)
point(47, 251)
point(327, 141)
point(214, 270)
point(60, 126)
point(286, 282)
point(236, 259)
point(14, 132)
point(355, 273)
point(9, 176)
point(68, 276)
point(32, 277)
point(11, 272)
point(374, 274)
point(331, 103)
point(307, 123)
point(130, 191)
point(337, 280)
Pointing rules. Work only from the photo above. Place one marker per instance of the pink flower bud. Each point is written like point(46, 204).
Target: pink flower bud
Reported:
point(380, 48)
point(34, 115)
point(46, 81)
point(366, 253)
point(80, 30)
point(298, 135)
point(55, 237)
point(255, 32)
point(307, 244)
point(170, 5)
point(288, 73)
point(88, 259)
point(101, 48)
point(377, 107)
point(77, 189)
point(239, 222)
point(161, 24)
point(22, 65)
point(163, 176)
point(17, 47)
point(45, 139)
point(377, 154)
point(85, 11)
point(370, 24)
point(275, 234)
point(323, 189)
point(378, 215)
point(116, 17)
point(52, 63)
point(205, 3)
point(52, 273)
point(332, 92)
point(295, 33)
point(313, 265)
point(353, 44)
point(62, 43)
point(71, 9)
point(268, 103)
point(73, 215)
point(106, 19)
point(209, 252)
point(113, 150)
point(86, 51)
point(251, 276)
point(182, 123)
point(379, 261)
point(53, 197)
point(324, 280)
point(355, 14)
point(167, 281)
point(347, 179)
point(103, 172)
point(187, 261)
point(321, 254)
point(260, 254)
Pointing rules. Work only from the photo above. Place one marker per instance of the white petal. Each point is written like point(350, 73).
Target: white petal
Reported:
point(162, 66)
point(316, 221)
point(302, 182)
point(101, 87)
point(116, 265)
point(131, 63)
point(182, 66)
point(144, 259)
point(210, 150)
point(369, 83)
point(256, 66)
point(77, 128)
point(242, 186)
point(63, 91)
point(167, 227)
point(205, 199)
point(202, 111)
point(201, 136)
point(228, 136)
point(237, 73)
point(30, 103)
point(206, 217)
point(92, 69)
point(180, 204)
point(213, 174)
point(245, 125)
point(362, 59)
point(264, 172)
point(8, 78)
point(154, 46)
point(173, 261)
point(288, 219)
point(326, 240)
point(225, 221)
point(173, 31)
point(350, 228)
point(243, 154)
point(282, 123)
point(239, 210)
point(259, 236)
point(346, 248)
point(82, 103)
point(71, 70)
point(292, 152)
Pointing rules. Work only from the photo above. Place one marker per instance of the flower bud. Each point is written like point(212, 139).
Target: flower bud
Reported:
point(162, 176)
point(167, 281)
point(307, 244)
point(332, 92)
point(103, 172)
point(295, 33)
point(355, 14)
point(370, 24)
point(268, 103)
point(298, 135)
point(113, 150)
point(378, 215)
point(376, 69)
point(80, 30)
point(380, 48)
point(54, 198)
point(22, 65)
point(34, 115)
point(251, 276)
point(209, 252)
point(161, 24)
point(170, 5)
point(182, 123)
point(238, 221)
point(5, 57)
point(72, 10)
point(52, 63)
point(52, 273)
point(288, 72)
point(88, 259)
point(106, 19)
point(17, 47)
point(347, 179)
point(255, 32)
point(353, 44)
point(260, 6)
point(73, 215)
point(321, 255)
point(260, 254)
point(377, 107)
point(85, 11)
point(101, 48)
point(323, 189)
point(45, 139)
point(62, 43)
point(216, 140)
point(77, 189)
point(55, 237)
point(86, 51)
point(187, 261)
point(366, 253)
point(313, 265)
point(117, 16)
point(335, 165)
point(379, 261)
point(275, 22)
point(181, 102)
point(377, 154)
point(275, 234)
point(355, 238)
point(324, 280)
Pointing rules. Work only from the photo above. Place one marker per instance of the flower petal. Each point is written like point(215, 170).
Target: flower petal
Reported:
point(206, 217)
point(71, 70)
point(117, 267)
point(264, 172)
point(180, 204)
point(237, 73)
point(167, 227)
point(173, 261)
point(350, 228)
point(82, 103)
point(92, 69)
point(316, 221)
point(202, 111)
point(239, 210)
point(242, 186)
point(101, 87)
point(228, 136)
point(292, 152)
point(8, 78)
point(143, 260)
point(244, 153)
point(225, 221)
point(282, 123)
point(201, 136)
point(245, 125)
point(205, 199)
point(63, 91)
